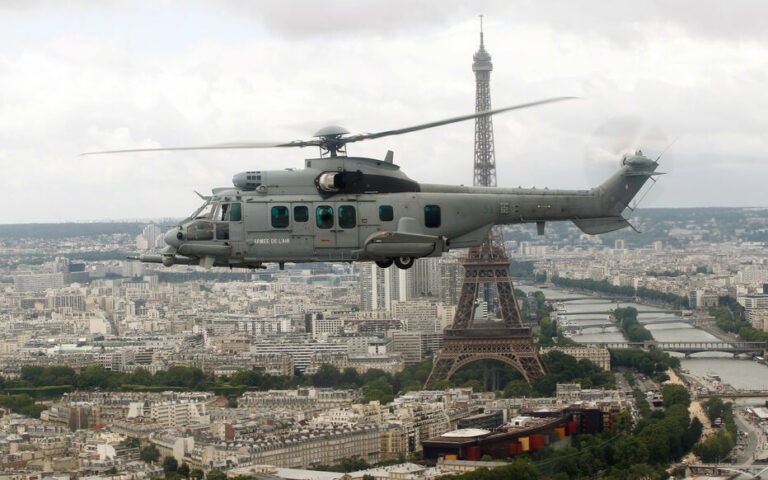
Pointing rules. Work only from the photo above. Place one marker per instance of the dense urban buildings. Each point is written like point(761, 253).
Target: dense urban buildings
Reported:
point(69, 309)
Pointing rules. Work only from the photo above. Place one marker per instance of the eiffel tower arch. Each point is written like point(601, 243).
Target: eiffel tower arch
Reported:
point(487, 280)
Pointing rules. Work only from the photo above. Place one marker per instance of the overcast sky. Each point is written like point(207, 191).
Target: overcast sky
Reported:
point(78, 76)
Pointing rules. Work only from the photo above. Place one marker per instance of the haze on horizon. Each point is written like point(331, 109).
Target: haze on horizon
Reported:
point(86, 76)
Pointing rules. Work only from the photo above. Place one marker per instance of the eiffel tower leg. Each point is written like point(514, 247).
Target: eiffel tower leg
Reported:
point(441, 370)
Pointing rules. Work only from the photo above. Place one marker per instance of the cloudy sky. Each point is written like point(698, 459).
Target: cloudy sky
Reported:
point(79, 76)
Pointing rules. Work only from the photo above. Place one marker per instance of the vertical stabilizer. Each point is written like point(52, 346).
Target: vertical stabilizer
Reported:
point(616, 193)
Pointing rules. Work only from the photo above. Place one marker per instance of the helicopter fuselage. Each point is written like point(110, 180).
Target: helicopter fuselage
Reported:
point(360, 209)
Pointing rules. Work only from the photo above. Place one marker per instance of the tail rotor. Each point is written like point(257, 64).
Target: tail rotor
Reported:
point(624, 139)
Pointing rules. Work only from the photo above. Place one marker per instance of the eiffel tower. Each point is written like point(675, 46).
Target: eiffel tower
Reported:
point(487, 281)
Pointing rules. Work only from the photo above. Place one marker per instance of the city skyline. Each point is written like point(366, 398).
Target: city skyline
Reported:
point(97, 321)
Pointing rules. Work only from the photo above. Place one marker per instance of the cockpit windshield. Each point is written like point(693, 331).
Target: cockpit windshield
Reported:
point(205, 211)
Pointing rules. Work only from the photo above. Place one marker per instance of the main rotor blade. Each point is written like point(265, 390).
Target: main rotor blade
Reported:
point(338, 141)
point(424, 126)
point(219, 146)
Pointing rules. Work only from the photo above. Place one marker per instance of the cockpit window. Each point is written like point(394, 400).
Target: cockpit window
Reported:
point(229, 212)
point(205, 211)
point(200, 230)
point(235, 212)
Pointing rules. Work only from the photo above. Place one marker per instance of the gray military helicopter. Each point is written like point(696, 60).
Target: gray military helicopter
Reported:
point(348, 209)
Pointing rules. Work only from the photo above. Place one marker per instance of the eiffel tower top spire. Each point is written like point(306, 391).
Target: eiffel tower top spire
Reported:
point(485, 157)
point(482, 59)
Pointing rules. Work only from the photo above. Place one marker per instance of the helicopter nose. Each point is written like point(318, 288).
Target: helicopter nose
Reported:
point(173, 237)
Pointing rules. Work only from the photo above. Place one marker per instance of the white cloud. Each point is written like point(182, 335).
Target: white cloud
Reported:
point(117, 75)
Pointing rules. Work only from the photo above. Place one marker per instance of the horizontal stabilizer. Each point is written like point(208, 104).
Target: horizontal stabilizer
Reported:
point(594, 226)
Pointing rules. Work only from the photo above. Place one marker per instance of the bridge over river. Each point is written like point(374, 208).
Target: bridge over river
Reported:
point(610, 310)
point(688, 348)
point(580, 327)
point(733, 393)
point(731, 471)
point(600, 299)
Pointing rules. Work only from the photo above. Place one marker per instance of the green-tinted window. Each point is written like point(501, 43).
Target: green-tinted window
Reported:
point(300, 213)
point(347, 216)
point(386, 214)
point(432, 216)
point(235, 212)
point(324, 215)
point(280, 217)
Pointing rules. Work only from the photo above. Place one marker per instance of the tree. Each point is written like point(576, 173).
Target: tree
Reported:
point(190, 377)
point(94, 376)
point(170, 465)
point(380, 390)
point(715, 448)
point(354, 464)
point(216, 475)
point(641, 472)
point(149, 454)
point(475, 385)
point(326, 376)
point(630, 451)
point(714, 407)
point(44, 376)
point(520, 469)
point(23, 404)
point(676, 395)
point(183, 470)
point(140, 376)
point(517, 389)
point(196, 474)
point(132, 442)
point(693, 434)
point(350, 378)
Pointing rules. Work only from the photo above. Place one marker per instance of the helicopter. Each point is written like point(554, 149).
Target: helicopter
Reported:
point(341, 208)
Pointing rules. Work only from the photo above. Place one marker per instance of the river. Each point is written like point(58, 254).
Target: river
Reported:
point(587, 320)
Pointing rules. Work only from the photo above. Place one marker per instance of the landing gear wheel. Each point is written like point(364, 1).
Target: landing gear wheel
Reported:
point(404, 262)
point(384, 263)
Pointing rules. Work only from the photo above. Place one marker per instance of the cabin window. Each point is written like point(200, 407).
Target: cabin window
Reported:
point(347, 216)
point(432, 216)
point(324, 214)
point(280, 217)
point(386, 213)
point(300, 213)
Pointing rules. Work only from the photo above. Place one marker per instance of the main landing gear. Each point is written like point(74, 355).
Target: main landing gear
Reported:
point(403, 263)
